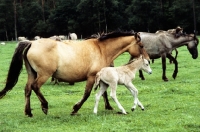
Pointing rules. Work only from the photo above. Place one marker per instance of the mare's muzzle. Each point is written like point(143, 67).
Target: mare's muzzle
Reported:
point(194, 52)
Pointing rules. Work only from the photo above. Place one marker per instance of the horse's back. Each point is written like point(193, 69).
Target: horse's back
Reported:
point(155, 43)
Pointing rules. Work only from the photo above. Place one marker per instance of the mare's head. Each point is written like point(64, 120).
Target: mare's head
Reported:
point(190, 40)
point(192, 45)
point(138, 48)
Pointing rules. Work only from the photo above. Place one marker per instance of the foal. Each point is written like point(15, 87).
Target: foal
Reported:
point(123, 75)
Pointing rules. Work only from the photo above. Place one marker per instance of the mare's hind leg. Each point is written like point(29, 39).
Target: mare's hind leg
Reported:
point(40, 80)
point(107, 104)
point(28, 91)
point(103, 88)
point(175, 64)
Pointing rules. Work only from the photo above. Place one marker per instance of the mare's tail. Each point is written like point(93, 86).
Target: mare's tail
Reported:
point(15, 66)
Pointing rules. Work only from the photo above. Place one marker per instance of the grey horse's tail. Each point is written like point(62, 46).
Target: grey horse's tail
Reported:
point(15, 66)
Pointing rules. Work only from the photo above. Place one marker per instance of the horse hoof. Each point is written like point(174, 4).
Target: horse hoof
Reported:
point(174, 76)
point(166, 79)
point(121, 113)
point(71, 83)
point(132, 109)
point(143, 109)
point(73, 113)
point(29, 115)
point(45, 110)
point(109, 108)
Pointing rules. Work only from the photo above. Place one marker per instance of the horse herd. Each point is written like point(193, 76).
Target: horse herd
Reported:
point(70, 36)
point(89, 60)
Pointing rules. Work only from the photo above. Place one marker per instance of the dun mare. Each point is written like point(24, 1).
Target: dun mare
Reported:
point(123, 75)
point(161, 45)
point(72, 62)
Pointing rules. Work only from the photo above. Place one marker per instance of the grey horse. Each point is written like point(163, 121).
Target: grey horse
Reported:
point(161, 45)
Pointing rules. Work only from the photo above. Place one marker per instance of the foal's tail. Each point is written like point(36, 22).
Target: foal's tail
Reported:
point(97, 79)
point(15, 66)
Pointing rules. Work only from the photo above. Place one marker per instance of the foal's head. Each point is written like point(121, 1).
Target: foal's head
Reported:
point(145, 65)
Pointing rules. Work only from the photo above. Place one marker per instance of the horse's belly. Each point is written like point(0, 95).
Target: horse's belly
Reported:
point(70, 75)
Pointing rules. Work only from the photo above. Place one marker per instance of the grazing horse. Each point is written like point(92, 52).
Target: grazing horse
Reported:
point(72, 36)
point(72, 62)
point(123, 75)
point(177, 32)
point(161, 45)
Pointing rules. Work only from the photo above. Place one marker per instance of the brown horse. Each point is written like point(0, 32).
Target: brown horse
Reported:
point(161, 45)
point(72, 62)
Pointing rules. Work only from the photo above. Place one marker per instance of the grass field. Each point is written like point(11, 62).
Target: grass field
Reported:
point(172, 106)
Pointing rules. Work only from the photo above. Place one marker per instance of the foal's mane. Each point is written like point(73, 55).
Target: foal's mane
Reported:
point(115, 34)
point(131, 61)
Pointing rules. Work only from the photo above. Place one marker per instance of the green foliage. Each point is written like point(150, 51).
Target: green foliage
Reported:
point(169, 106)
point(86, 17)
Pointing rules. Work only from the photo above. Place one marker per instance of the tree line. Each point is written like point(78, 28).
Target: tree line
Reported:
point(85, 17)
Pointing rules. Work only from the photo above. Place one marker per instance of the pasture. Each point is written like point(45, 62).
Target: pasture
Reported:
point(169, 106)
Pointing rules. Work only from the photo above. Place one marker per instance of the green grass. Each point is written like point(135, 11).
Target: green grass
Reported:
point(171, 106)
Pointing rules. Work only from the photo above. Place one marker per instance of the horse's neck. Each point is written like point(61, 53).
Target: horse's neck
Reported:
point(117, 46)
point(178, 42)
point(135, 66)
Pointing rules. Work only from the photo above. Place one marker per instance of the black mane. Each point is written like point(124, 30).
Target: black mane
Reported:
point(116, 34)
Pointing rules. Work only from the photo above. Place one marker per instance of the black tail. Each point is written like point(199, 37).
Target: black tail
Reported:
point(15, 67)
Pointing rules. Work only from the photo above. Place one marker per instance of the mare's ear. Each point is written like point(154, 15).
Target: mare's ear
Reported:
point(179, 32)
point(137, 36)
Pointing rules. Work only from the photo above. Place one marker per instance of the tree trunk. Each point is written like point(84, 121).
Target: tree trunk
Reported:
point(105, 15)
point(43, 1)
point(194, 18)
point(15, 19)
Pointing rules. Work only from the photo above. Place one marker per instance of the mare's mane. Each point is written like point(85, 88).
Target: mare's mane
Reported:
point(115, 34)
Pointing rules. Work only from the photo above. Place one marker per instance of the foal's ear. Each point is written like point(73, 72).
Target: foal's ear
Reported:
point(141, 56)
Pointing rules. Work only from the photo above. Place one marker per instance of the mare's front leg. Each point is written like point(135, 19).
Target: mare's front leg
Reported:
point(175, 65)
point(141, 75)
point(134, 92)
point(88, 88)
point(163, 56)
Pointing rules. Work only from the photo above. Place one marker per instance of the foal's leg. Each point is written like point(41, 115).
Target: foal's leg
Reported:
point(103, 88)
point(164, 67)
point(134, 92)
point(175, 64)
point(113, 95)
